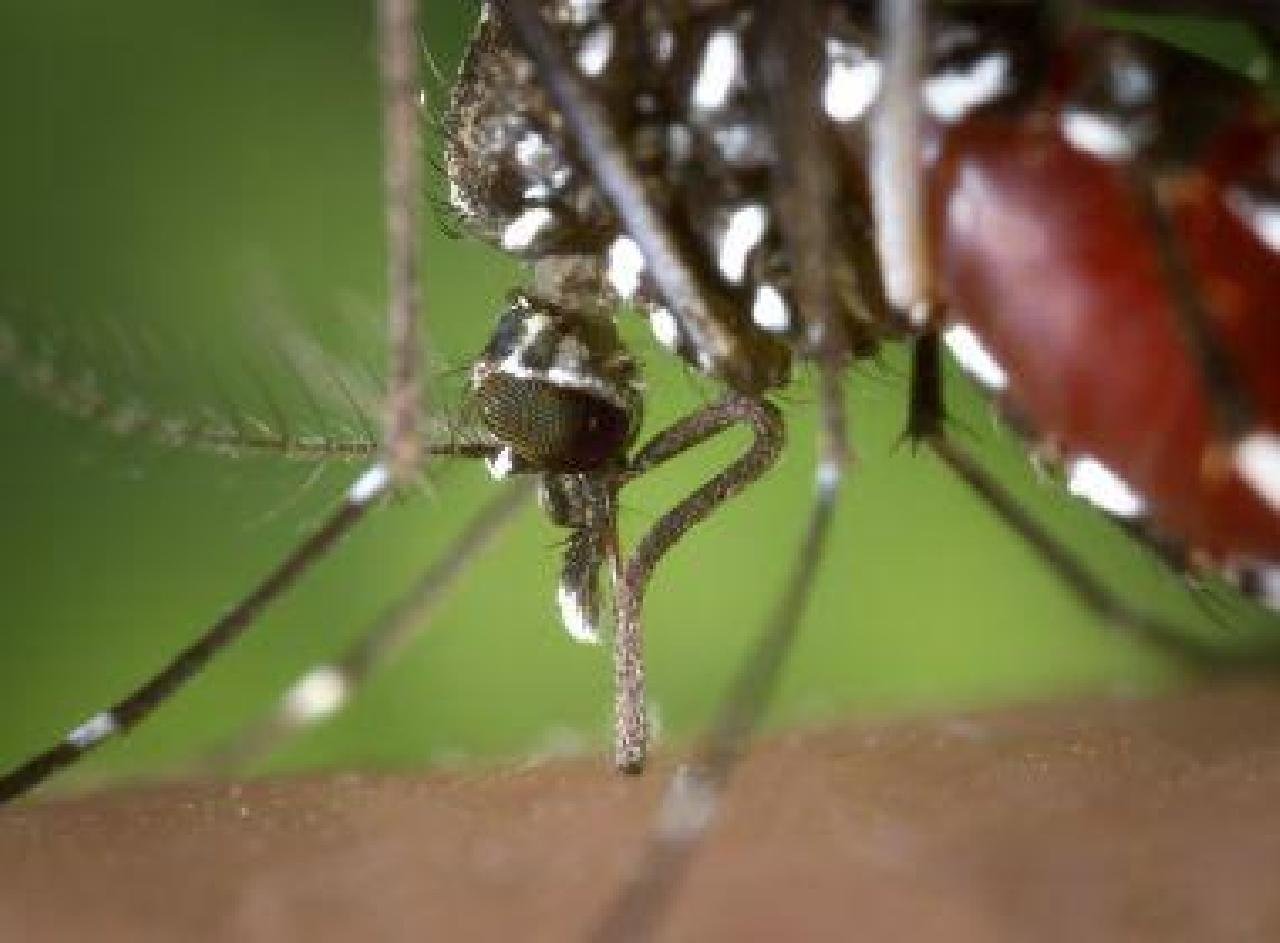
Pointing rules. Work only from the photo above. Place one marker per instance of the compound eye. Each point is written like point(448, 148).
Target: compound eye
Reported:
point(557, 388)
point(552, 428)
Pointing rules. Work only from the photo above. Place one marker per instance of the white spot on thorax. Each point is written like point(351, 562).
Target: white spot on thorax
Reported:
point(369, 485)
point(679, 142)
point(1261, 216)
point(664, 326)
point(521, 232)
point(595, 51)
point(319, 693)
point(745, 229)
point(1096, 135)
point(1088, 478)
point(1257, 459)
point(94, 730)
point(950, 96)
point(532, 149)
point(769, 309)
point(577, 621)
point(720, 68)
point(625, 266)
point(974, 357)
point(852, 82)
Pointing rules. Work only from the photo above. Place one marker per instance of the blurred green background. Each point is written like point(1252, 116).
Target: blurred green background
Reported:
point(182, 182)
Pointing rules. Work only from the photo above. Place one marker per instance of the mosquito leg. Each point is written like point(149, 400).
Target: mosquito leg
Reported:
point(926, 426)
point(402, 180)
point(1253, 451)
point(690, 802)
point(763, 418)
point(325, 689)
point(131, 710)
point(895, 169)
point(1232, 409)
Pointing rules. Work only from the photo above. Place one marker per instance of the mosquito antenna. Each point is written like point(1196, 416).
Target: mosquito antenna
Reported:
point(402, 173)
point(40, 377)
point(326, 688)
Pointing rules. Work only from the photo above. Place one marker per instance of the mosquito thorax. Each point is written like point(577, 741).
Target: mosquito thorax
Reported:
point(679, 85)
point(557, 389)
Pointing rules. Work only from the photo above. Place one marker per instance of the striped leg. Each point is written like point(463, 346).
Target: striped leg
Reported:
point(926, 425)
point(325, 689)
point(135, 707)
point(631, 743)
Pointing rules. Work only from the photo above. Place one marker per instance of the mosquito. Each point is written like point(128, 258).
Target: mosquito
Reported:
point(549, 362)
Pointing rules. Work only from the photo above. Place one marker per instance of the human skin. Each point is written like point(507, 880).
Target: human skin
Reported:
point(1106, 819)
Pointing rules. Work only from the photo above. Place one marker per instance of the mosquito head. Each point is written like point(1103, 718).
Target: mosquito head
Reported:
point(557, 388)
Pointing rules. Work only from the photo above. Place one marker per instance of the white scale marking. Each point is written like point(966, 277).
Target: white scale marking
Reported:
point(626, 264)
point(318, 694)
point(369, 485)
point(769, 310)
point(582, 12)
point(949, 96)
point(596, 51)
point(720, 68)
point(1096, 135)
point(665, 46)
point(499, 466)
point(576, 620)
point(852, 82)
point(746, 227)
point(532, 149)
point(1262, 217)
point(1088, 478)
point(974, 357)
point(521, 232)
point(458, 199)
point(1257, 459)
point(665, 329)
point(93, 731)
point(828, 477)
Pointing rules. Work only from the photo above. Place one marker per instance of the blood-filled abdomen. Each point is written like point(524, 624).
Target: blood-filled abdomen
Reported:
point(1045, 254)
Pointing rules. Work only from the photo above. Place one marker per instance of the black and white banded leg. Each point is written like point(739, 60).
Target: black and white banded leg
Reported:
point(927, 425)
point(131, 710)
point(402, 171)
point(325, 689)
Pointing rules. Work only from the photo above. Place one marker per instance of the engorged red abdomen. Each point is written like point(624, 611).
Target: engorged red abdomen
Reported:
point(1043, 252)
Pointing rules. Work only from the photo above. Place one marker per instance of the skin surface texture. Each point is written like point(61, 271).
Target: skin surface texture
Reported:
point(1100, 820)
